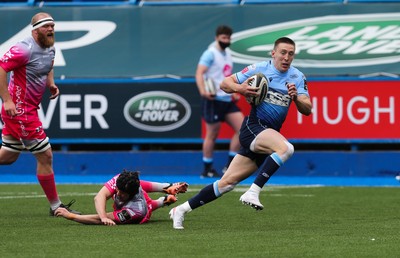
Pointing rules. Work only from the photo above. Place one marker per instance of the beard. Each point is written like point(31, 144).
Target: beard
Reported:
point(46, 40)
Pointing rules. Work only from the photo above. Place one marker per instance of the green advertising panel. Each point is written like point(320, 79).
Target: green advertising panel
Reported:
point(167, 41)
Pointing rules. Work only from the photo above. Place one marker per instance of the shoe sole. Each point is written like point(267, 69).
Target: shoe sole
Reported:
point(252, 205)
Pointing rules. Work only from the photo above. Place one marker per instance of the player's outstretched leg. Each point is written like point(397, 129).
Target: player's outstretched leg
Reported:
point(206, 195)
point(251, 198)
point(266, 170)
point(177, 217)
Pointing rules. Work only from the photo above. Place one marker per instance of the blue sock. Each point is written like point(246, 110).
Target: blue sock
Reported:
point(267, 169)
point(208, 164)
point(206, 195)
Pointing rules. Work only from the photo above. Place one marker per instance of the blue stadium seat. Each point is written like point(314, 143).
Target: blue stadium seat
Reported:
point(373, 1)
point(288, 1)
point(186, 2)
point(83, 2)
point(172, 2)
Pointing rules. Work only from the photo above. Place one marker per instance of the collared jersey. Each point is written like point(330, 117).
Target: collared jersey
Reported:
point(273, 110)
point(29, 65)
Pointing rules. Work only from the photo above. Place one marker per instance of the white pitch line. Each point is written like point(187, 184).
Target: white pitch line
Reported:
point(43, 196)
point(12, 195)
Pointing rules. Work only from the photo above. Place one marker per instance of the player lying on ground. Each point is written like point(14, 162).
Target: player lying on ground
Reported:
point(132, 205)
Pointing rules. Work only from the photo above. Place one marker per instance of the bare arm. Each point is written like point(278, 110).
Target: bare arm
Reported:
point(54, 91)
point(200, 71)
point(102, 217)
point(92, 219)
point(230, 85)
point(303, 102)
point(9, 105)
point(100, 201)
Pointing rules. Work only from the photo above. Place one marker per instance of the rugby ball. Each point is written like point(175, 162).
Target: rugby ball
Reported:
point(210, 86)
point(261, 82)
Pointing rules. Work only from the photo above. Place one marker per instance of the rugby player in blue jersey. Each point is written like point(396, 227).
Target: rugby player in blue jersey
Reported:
point(263, 148)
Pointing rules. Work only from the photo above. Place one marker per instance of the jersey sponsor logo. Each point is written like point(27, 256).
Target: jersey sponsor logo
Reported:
point(22, 127)
point(277, 98)
point(19, 104)
point(157, 111)
point(7, 56)
point(326, 42)
point(125, 215)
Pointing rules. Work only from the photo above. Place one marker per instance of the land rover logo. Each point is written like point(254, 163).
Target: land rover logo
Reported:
point(327, 41)
point(157, 111)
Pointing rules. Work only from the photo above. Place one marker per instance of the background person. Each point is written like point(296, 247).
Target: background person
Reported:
point(132, 204)
point(263, 148)
point(30, 64)
point(214, 65)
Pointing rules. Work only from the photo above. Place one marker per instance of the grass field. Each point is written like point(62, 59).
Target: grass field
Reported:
point(296, 222)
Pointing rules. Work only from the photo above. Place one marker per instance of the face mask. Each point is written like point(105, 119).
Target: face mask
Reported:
point(223, 45)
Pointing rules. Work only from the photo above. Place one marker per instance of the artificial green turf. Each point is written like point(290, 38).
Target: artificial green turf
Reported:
point(296, 222)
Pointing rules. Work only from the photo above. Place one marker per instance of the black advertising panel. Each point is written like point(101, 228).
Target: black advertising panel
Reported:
point(123, 110)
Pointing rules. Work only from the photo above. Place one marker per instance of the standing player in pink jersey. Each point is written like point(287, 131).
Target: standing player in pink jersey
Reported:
point(30, 64)
point(132, 204)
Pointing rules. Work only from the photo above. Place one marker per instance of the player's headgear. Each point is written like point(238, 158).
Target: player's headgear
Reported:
point(128, 182)
point(42, 22)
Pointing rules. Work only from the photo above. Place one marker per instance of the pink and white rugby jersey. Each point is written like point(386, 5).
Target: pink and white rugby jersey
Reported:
point(29, 65)
point(136, 207)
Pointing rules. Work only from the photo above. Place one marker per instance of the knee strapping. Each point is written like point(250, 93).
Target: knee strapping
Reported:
point(37, 147)
point(12, 145)
point(289, 152)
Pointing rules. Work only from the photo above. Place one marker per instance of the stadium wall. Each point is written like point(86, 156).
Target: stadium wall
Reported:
point(333, 39)
point(378, 164)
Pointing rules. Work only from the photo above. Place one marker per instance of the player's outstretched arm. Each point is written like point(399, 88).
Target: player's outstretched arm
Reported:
point(100, 201)
point(90, 219)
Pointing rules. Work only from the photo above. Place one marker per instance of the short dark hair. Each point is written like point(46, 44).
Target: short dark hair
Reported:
point(284, 40)
point(223, 30)
point(128, 182)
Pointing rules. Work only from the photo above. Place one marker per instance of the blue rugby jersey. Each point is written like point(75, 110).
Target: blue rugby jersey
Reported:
point(273, 110)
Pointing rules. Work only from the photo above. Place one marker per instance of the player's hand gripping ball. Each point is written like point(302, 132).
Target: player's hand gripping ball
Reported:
point(210, 86)
point(260, 82)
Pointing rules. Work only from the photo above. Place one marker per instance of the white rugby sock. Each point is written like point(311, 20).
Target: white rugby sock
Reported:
point(254, 188)
point(185, 207)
